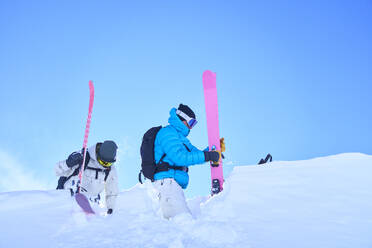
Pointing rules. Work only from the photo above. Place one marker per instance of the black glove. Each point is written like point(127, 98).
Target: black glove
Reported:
point(75, 158)
point(109, 211)
point(213, 156)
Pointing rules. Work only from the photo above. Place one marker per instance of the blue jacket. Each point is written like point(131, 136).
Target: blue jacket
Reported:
point(172, 141)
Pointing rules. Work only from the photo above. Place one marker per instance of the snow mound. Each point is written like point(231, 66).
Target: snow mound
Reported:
point(322, 202)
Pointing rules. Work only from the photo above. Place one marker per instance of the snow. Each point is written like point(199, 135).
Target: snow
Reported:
point(322, 202)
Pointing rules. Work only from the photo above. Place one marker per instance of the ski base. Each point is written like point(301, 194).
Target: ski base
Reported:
point(83, 202)
point(211, 108)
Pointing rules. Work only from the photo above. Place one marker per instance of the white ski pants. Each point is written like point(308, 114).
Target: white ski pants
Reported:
point(171, 197)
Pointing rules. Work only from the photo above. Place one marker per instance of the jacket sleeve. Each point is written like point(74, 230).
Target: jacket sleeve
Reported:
point(176, 151)
point(61, 169)
point(193, 148)
point(112, 188)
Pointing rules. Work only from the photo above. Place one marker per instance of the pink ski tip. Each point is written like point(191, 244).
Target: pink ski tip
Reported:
point(208, 74)
point(91, 86)
point(209, 79)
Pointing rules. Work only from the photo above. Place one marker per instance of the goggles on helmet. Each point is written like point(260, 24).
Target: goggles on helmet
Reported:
point(190, 121)
point(104, 163)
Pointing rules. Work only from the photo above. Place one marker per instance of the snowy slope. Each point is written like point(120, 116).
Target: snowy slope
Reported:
point(323, 202)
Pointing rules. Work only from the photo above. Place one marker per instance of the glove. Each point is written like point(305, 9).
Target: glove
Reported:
point(109, 211)
point(75, 158)
point(222, 145)
point(213, 156)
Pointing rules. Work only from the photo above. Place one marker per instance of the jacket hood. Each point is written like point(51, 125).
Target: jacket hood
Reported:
point(92, 152)
point(177, 123)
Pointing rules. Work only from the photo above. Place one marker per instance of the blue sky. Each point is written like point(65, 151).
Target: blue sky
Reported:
point(294, 79)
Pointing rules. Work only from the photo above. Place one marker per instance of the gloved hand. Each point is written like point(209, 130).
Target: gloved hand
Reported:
point(222, 145)
point(109, 211)
point(75, 158)
point(213, 156)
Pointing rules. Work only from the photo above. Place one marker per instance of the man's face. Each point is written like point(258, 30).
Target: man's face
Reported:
point(187, 125)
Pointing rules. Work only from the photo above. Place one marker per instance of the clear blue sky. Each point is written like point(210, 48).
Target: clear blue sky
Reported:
point(294, 78)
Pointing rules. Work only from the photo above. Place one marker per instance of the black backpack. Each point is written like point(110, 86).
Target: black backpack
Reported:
point(62, 180)
point(148, 164)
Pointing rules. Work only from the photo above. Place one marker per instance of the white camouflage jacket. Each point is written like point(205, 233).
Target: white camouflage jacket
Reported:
point(93, 181)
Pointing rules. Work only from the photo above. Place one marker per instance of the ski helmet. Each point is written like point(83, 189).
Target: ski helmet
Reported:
point(107, 151)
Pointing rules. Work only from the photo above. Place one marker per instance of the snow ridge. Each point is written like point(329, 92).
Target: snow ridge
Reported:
point(322, 202)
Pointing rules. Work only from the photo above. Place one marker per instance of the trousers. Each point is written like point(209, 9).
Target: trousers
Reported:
point(171, 198)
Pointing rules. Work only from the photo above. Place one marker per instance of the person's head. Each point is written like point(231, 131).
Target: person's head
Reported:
point(106, 153)
point(186, 115)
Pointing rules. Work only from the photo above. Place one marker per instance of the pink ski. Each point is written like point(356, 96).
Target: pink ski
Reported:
point(83, 202)
point(80, 198)
point(211, 107)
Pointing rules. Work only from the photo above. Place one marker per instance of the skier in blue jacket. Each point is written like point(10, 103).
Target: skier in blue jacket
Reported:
point(173, 155)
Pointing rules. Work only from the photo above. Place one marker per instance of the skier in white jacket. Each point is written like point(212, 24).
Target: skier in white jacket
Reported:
point(99, 174)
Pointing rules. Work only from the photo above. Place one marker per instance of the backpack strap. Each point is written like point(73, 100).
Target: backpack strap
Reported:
point(87, 158)
point(167, 167)
point(156, 170)
point(95, 169)
point(161, 159)
point(77, 170)
point(140, 177)
point(164, 166)
point(106, 171)
point(188, 149)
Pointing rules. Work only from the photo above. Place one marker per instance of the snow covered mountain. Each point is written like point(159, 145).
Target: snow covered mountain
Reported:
point(322, 202)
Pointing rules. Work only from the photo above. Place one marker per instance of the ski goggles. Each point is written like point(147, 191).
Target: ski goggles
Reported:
point(104, 163)
point(190, 121)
